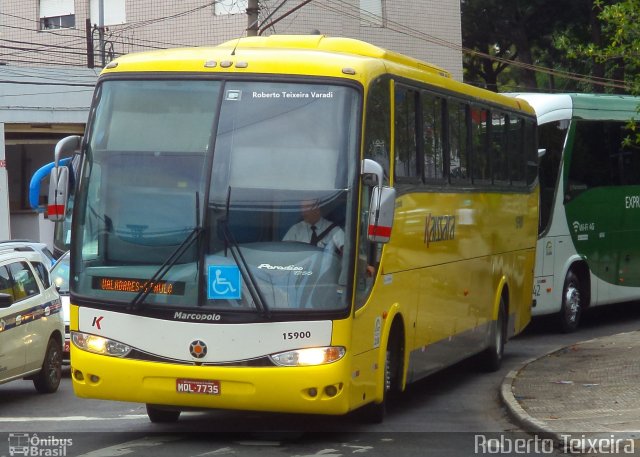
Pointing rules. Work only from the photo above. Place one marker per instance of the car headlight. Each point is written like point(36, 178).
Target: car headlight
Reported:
point(99, 344)
point(308, 356)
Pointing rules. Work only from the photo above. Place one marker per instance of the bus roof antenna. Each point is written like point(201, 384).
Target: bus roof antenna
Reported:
point(233, 53)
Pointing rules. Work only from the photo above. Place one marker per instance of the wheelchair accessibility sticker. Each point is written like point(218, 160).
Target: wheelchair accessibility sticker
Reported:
point(224, 282)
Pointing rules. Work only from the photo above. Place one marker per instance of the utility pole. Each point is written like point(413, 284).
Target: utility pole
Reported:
point(252, 17)
point(101, 31)
point(90, 51)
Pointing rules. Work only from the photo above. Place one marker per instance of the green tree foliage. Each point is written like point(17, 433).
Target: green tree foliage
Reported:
point(534, 44)
point(621, 23)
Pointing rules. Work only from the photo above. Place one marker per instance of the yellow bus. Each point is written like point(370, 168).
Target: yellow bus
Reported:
point(194, 282)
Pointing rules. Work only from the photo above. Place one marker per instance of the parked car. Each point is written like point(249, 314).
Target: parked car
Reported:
point(31, 323)
point(28, 245)
point(60, 278)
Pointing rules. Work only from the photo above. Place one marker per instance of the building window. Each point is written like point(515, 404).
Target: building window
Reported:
point(230, 7)
point(113, 12)
point(371, 13)
point(57, 14)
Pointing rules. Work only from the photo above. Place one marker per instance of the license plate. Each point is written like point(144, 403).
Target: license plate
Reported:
point(197, 386)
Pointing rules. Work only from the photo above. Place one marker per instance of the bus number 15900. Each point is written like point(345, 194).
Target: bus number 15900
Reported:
point(296, 335)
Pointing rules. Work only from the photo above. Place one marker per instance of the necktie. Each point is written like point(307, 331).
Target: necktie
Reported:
point(314, 236)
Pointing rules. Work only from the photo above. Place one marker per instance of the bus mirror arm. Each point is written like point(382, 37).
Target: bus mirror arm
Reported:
point(372, 173)
point(66, 147)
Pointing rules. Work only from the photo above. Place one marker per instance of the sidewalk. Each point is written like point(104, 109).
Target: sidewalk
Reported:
point(585, 394)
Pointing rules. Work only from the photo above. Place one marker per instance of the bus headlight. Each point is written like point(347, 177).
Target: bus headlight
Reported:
point(99, 345)
point(308, 356)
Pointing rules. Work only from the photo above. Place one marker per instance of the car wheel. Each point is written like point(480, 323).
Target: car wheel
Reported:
point(48, 379)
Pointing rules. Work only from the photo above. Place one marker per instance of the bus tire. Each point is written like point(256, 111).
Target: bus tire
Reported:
point(375, 413)
point(491, 357)
point(48, 379)
point(162, 416)
point(571, 309)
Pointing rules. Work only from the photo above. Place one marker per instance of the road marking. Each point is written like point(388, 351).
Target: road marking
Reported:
point(130, 446)
point(71, 418)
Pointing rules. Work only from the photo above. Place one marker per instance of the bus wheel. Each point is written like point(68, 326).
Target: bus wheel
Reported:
point(571, 309)
point(374, 413)
point(48, 379)
point(491, 358)
point(161, 416)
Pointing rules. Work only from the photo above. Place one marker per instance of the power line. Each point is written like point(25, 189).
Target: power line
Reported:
point(339, 6)
point(402, 29)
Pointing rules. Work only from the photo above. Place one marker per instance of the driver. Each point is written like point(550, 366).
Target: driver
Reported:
point(315, 229)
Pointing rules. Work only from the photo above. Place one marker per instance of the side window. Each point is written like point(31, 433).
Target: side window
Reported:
point(5, 282)
point(432, 133)
point(458, 119)
point(595, 156)
point(481, 159)
point(499, 152)
point(406, 152)
point(377, 143)
point(43, 273)
point(531, 151)
point(377, 135)
point(24, 282)
point(551, 137)
point(517, 163)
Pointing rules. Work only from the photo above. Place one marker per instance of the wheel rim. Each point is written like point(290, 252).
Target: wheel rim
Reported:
point(54, 369)
point(572, 303)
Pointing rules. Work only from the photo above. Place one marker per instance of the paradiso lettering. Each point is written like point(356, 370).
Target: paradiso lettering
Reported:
point(439, 228)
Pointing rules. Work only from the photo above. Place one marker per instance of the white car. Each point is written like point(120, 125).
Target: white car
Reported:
point(28, 245)
point(60, 278)
point(31, 323)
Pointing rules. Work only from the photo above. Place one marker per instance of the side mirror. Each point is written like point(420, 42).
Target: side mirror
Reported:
point(58, 193)
point(381, 211)
point(541, 152)
point(59, 178)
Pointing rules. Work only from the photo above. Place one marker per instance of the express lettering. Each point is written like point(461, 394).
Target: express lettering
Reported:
point(632, 201)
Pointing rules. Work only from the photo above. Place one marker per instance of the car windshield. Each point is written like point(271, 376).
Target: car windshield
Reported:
point(201, 209)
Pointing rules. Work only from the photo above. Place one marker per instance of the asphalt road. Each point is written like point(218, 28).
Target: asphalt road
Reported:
point(450, 413)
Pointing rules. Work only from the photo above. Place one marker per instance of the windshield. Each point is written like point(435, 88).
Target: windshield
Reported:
point(206, 194)
point(60, 274)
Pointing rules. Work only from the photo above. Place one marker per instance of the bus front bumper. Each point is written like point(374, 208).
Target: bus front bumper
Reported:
point(316, 390)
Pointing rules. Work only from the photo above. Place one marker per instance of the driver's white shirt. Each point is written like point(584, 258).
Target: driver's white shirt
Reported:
point(302, 232)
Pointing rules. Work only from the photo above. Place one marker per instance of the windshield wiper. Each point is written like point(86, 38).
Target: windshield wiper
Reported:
point(138, 301)
point(247, 276)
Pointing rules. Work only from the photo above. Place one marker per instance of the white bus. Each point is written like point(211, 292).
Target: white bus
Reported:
point(588, 250)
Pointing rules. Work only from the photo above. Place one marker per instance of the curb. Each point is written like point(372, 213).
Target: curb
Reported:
point(517, 412)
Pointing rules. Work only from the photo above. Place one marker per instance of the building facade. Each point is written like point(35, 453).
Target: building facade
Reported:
point(53, 50)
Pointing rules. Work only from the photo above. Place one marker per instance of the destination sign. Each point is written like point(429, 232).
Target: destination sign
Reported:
point(137, 285)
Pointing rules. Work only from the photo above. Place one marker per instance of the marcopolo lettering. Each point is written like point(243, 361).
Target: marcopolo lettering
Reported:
point(439, 228)
point(197, 316)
